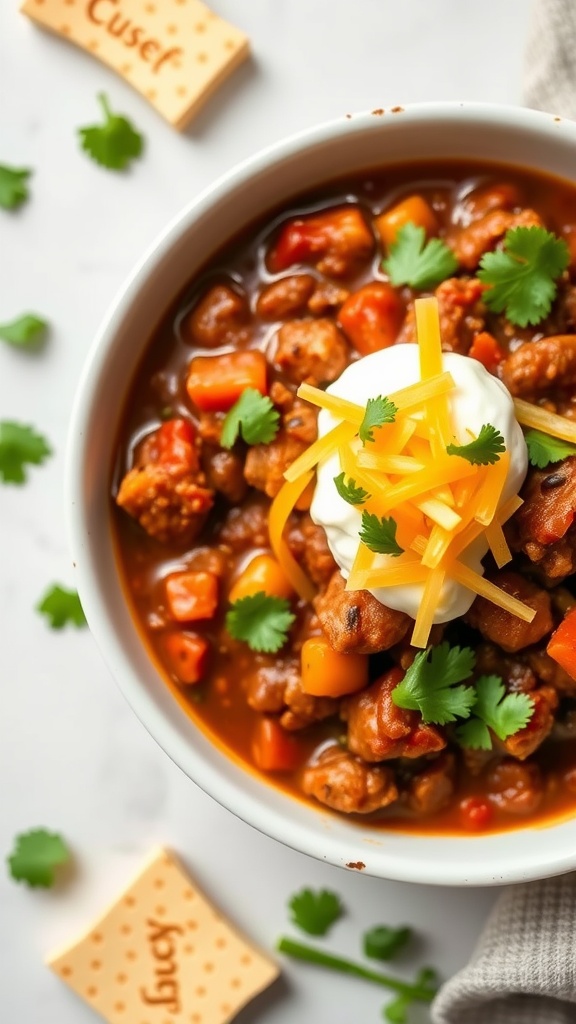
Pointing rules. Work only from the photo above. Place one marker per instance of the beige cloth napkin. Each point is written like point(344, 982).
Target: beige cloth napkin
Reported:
point(523, 970)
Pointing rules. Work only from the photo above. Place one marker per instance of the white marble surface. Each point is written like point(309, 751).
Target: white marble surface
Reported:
point(72, 755)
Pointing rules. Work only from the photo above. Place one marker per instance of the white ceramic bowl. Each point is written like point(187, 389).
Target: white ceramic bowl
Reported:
point(427, 131)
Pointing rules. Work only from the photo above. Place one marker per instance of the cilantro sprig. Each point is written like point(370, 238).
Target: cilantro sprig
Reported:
point(383, 942)
point(379, 534)
point(414, 261)
point(430, 685)
point(113, 144)
point(494, 709)
point(315, 911)
point(378, 412)
point(261, 621)
point(36, 857)
point(61, 607)
point(350, 491)
point(20, 445)
point(522, 275)
point(543, 449)
point(26, 331)
point(484, 450)
point(13, 186)
point(253, 417)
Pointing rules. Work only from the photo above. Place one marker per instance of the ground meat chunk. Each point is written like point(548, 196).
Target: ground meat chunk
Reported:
point(286, 297)
point(379, 731)
point(355, 622)
point(309, 545)
point(549, 671)
point(245, 527)
point(346, 784)
point(501, 196)
point(462, 314)
point(303, 708)
point(542, 526)
point(336, 241)
point(266, 463)
point(311, 350)
point(326, 297)
point(265, 685)
point(537, 366)
point(225, 473)
point(300, 421)
point(432, 789)
point(505, 629)
point(524, 742)
point(470, 243)
point(210, 427)
point(515, 788)
point(219, 318)
point(516, 673)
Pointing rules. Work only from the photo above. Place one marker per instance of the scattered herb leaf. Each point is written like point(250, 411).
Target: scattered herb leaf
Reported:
point(253, 417)
point(429, 685)
point(261, 621)
point(20, 445)
point(494, 709)
point(13, 186)
point(414, 261)
point(315, 911)
point(113, 144)
point(484, 450)
point(378, 412)
point(523, 274)
point(379, 534)
point(383, 942)
point(351, 493)
point(543, 449)
point(24, 332)
point(62, 608)
point(36, 856)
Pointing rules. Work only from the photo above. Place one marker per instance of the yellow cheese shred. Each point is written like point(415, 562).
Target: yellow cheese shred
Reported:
point(320, 450)
point(428, 605)
point(478, 585)
point(280, 510)
point(535, 416)
point(498, 544)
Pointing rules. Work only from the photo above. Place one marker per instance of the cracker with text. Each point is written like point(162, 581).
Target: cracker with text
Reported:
point(174, 52)
point(162, 954)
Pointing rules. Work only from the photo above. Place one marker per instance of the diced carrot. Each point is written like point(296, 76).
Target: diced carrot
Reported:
point(327, 673)
point(215, 383)
point(371, 317)
point(413, 209)
point(192, 595)
point(187, 656)
point(487, 351)
point(274, 749)
point(307, 238)
point(262, 573)
point(562, 644)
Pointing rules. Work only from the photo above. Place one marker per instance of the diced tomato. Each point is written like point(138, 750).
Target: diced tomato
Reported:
point(307, 239)
point(562, 644)
point(192, 595)
point(172, 444)
point(215, 383)
point(187, 656)
point(371, 317)
point(487, 351)
point(274, 749)
point(475, 813)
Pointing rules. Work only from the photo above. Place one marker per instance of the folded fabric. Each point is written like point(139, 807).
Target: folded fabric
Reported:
point(524, 968)
point(550, 78)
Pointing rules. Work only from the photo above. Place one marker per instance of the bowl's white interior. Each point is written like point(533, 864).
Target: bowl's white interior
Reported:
point(523, 138)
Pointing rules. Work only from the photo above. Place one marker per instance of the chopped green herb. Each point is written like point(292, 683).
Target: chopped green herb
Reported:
point(26, 331)
point(383, 942)
point(261, 621)
point(61, 607)
point(351, 493)
point(253, 417)
point(523, 274)
point(416, 262)
point(379, 411)
point(543, 449)
point(397, 1011)
point(36, 856)
point(113, 144)
point(379, 534)
point(484, 450)
point(13, 186)
point(429, 685)
point(494, 709)
point(20, 445)
point(315, 911)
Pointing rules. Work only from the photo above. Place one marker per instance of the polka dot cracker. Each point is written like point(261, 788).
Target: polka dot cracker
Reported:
point(174, 52)
point(162, 954)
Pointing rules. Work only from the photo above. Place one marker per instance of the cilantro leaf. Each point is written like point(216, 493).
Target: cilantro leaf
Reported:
point(543, 449)
point(13, 187)
point(504, 714)
point(383, 942)
point(19, 445)
point(253, 417)
point(396, 1012)
point(429, 685)
point(261, 621)
point(113, 144)
point(36, 856)
point(25, 331)
point(61, 607)
point(414, 261)
point(378, 412)
point(315, 911)
point(351, 493)
point(379, 534)
point(523, 274)
point(484, 450)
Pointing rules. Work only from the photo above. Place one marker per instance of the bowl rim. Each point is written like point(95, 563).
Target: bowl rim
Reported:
point(379, 861)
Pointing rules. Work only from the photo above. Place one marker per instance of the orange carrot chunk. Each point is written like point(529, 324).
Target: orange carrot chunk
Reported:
point(262, 573)
point(371, 317)
point(327, 673)
point(413, 209)
point(215, 383)
point(192, 595)
point(274, 749)
point(562, 644)
point(186, 656)
point(487, 351)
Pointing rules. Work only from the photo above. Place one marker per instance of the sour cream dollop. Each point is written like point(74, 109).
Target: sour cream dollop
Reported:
point(478, 398)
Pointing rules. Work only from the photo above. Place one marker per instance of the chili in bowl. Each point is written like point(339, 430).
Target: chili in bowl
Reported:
point(325, 540)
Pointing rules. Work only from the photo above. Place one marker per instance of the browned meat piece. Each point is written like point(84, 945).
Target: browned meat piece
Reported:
point(302, 708)
point(542, 527)
point(245, 527)
point(225, 473)
point(208, 559)
point(527, 740)
point(286, 297)
point(432, 789)
point(404, 654)
point(355, 622)
point(379, 731)
point(550, 672)
point(308, 544)
point(503, 196)
point(301, 421)
point(345, 784)
point(326, 297)
point(515, 788)
point(265, 686)
point(311, 350)
point(540, 365)
point(470, 243)
point(219, 318)
point(266, 463)
point(462, 314)
point(210, 427)
point(515, 672)
point(505, 629)
point(282, 396)
point(336, 241)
